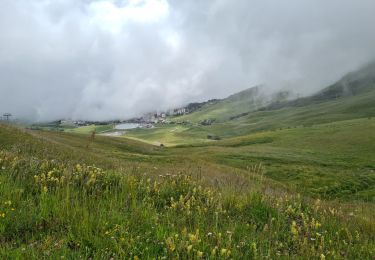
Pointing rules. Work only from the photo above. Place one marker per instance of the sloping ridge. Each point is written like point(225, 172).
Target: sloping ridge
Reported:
point(352, 84)
point(355, 84)
point(221, 110)
point(246, 94)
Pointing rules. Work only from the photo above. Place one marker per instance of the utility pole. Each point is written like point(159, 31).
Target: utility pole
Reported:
point(92, 138)
point(7, 116)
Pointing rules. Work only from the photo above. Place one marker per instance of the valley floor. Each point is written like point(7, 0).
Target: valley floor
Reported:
point(330, 160)
point(304, 191)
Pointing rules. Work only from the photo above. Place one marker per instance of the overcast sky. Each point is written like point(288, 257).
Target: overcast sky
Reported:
point(106, 59)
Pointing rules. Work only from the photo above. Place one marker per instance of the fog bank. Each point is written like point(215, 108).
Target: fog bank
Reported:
point(108, 59)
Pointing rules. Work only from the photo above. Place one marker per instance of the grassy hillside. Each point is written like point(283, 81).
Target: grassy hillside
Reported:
point(333, 160)
point(71, 128)
point(351, 97)
point(355, 83)
point(329, 160)
point(90, 128)
point(361, 106)
point(241, 114)
point(242, 102)
point(165, 134)
point(345, 108)
point(151, 202)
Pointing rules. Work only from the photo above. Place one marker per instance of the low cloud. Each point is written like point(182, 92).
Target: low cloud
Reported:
point(107, 59)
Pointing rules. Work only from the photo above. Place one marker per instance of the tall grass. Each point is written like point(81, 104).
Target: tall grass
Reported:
point(55, 208)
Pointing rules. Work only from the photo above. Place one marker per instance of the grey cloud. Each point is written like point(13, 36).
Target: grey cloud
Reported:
point(57, 61)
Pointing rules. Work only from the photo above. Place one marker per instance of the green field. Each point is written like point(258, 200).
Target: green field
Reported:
point(71, 128)
point(169, 135)
point(204, 201)
point(332, 160)
point(89, 129)
point(288, 180)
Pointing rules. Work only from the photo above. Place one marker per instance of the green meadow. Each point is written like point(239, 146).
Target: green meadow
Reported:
point(89, 129)
point(63, 196)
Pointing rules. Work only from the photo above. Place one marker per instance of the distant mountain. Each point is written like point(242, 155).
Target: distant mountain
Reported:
point(350, 97)
point(352, 84)
point(247, 94)
point(234, 106)
point(192, 107)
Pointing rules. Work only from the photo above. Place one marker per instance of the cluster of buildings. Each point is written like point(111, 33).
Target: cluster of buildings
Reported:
point(86, 123)
point(146, 121)
point(154, 118)
point(180, 111)
point(159, 117)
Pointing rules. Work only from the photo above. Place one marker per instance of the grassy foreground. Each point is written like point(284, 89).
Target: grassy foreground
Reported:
point(53, 207)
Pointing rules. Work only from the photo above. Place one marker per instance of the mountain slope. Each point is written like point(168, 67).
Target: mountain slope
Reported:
point(353, 96)
point(247, 102)
point(353, 84)
point(350, 98)
point(222, 110)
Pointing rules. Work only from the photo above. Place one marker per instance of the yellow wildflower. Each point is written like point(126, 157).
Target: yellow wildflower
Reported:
point(193, 238)
point(170, 244)
point(254, 247)
point(293, 228)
